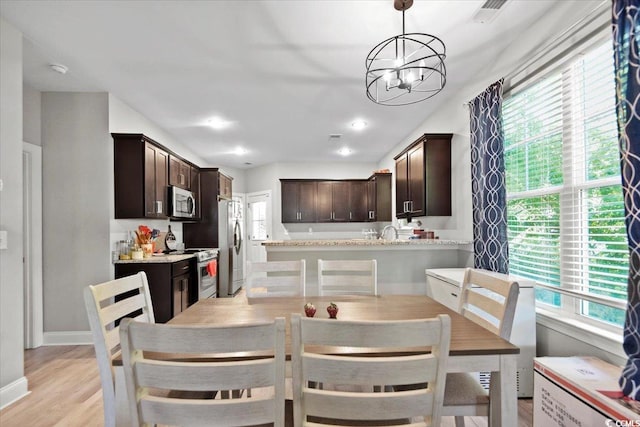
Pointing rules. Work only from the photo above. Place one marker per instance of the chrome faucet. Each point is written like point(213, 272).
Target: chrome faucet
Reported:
point(384, 230)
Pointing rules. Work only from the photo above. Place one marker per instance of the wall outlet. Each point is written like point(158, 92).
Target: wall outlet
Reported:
point(3, 239)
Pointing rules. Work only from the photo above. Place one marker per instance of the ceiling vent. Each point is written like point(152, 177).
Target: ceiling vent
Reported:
point(488, 11)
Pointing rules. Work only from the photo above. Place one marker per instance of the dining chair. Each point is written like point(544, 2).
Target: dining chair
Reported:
point(315, 360)
point(348, 277)
point(106, 303)
point(488, 299)
point(275, 279)
point(213, 363)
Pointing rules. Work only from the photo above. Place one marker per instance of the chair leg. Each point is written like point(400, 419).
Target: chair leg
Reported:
point(459, 421)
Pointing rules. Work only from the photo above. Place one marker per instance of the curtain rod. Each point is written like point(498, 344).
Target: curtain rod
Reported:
point(566, 34)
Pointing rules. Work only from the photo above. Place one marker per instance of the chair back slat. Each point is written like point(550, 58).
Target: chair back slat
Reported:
point(489, 299)
point(204, 376)
point(275, 278)
point(369, 406)
point(371, 371)
point(348, 277)
point(202, 338)
point(331, 404)
point(200, 413)
point(122, 308)
point(202, 372)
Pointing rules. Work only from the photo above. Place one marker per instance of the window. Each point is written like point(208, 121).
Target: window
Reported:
point(564, 199)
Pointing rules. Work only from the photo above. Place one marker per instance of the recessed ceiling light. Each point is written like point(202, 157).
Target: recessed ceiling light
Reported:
point(218, 123)
point(240, 151)
point(345, 151)
point(59, 68)
point(359, 124)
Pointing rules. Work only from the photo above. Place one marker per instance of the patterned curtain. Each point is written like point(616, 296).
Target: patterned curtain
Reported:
point(488, 192)
point(626, 39)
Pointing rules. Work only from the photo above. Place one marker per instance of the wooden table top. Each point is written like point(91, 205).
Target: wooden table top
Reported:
point(467, 338)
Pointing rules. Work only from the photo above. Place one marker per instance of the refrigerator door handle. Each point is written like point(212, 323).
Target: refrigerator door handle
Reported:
point(237, 237)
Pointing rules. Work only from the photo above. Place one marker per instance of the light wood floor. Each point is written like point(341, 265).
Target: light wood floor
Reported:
point(65, 392)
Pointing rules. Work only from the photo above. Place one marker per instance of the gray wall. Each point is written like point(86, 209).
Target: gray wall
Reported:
point(11, 293)
point(32, 120)
point(77, 155)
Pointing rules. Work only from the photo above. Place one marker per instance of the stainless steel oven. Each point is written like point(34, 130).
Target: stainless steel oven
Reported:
point(207, 266)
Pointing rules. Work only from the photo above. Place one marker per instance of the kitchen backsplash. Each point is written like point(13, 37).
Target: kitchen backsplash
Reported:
point(120, 227)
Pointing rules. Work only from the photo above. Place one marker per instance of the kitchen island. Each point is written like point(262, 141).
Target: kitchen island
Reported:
point(401, 263)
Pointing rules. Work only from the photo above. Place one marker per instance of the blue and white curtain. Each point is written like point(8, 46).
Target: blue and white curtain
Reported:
point(626, 46)
point(488, 191)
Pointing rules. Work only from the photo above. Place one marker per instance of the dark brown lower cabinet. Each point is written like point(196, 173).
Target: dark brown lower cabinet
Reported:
point(171, 285)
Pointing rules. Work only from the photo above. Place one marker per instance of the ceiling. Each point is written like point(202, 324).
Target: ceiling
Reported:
point(285, 74)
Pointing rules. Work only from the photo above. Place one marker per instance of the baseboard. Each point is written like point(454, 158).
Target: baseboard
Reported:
point(13, 392)
point(68, 338)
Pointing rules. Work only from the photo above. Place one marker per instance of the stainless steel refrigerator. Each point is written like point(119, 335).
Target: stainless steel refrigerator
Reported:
point(230, 241)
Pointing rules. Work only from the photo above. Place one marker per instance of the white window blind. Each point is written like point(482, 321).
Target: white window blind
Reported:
point(564, 199)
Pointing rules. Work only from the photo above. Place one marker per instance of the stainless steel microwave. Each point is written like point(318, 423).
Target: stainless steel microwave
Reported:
point(183, 203)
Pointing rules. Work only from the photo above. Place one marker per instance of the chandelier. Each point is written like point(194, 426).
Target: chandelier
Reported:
point(407, 68)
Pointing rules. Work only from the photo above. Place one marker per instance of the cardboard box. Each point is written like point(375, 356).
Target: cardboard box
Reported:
point(579, 392)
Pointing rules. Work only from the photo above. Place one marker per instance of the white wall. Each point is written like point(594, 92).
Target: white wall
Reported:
point(32, 120)
point(77, 155)
point(268, 178)
point(13, 384)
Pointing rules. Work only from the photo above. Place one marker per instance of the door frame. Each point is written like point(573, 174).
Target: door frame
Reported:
point(269, 222)
point(32, 245)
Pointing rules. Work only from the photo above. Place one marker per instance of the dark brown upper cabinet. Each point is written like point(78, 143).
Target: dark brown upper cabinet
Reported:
point(345, 200)
point(298, 200)
point(423, 177)
point(358, 200)
point(333, 201)
point(379, 197)
point(224, 187)
point(179, 173)
point(141, 175)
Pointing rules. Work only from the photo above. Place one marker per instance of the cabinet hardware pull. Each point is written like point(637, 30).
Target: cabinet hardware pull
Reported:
point(349, 215)
point(158, 206)
point(455, 295)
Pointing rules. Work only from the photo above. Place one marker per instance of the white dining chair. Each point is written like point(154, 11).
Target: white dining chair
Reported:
point(331, 405)
point(149, 380)
point(275, 279)
point(106, 303)
point(348, 277)
point(488, 299)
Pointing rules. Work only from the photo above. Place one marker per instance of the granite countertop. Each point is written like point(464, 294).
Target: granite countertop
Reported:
point(365, 242)
point(159, 258)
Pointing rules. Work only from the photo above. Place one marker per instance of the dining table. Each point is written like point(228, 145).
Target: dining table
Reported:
point(472, 348)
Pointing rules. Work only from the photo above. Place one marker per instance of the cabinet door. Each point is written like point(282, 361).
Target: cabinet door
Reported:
point(307, 195)
point(402, 185)
point(358, 201)
point(225, 190)
point(416, 184)
point(156, 163)
point(438, 175)
point(382, 197)
point(324, 201)
point(289, 197)
point(371, 200)
point(340, 201)
point(180, 286)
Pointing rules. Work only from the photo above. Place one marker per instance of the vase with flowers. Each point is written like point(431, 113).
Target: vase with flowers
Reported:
point(145, 237)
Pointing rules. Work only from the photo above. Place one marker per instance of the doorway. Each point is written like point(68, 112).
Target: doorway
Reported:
point(32, 244)
point(258, 224)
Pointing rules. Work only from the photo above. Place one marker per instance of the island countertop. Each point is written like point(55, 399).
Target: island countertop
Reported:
point(369, 244)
